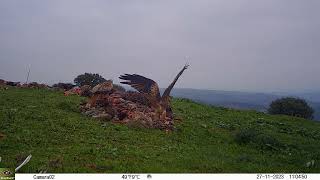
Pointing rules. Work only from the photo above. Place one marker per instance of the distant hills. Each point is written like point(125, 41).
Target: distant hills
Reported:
point(244, 100)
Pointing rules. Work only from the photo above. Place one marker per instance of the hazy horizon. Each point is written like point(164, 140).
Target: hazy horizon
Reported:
point(247, 45)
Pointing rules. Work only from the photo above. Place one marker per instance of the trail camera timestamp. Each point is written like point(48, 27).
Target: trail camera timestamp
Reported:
point(270, 176)
point(298, 176)
point(282, 176)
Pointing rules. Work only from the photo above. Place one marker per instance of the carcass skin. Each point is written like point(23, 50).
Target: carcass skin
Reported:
point(144, 108)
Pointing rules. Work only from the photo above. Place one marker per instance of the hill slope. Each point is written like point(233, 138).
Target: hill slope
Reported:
point(208, 139)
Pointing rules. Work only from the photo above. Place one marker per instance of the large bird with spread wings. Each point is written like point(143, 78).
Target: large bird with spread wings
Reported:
point(151, 89)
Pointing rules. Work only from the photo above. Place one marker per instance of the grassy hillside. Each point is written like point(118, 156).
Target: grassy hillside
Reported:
point(208, 139)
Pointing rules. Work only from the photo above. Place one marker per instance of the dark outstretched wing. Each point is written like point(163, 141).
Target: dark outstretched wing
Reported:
point(142, 84)
point(167, 92)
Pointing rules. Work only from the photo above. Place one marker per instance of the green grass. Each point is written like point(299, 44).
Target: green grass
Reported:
point(49, 126)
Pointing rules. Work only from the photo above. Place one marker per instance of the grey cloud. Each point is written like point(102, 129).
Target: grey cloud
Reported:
point(267, 45)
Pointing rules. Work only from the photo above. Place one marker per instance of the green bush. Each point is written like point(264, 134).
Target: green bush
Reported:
point(89, 79)
point(292, 107)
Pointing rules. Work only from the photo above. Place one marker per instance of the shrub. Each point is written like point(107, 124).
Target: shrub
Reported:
point(292, 107)
point(89, 79)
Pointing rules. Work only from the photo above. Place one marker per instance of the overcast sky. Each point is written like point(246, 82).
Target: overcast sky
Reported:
point(246, 45)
